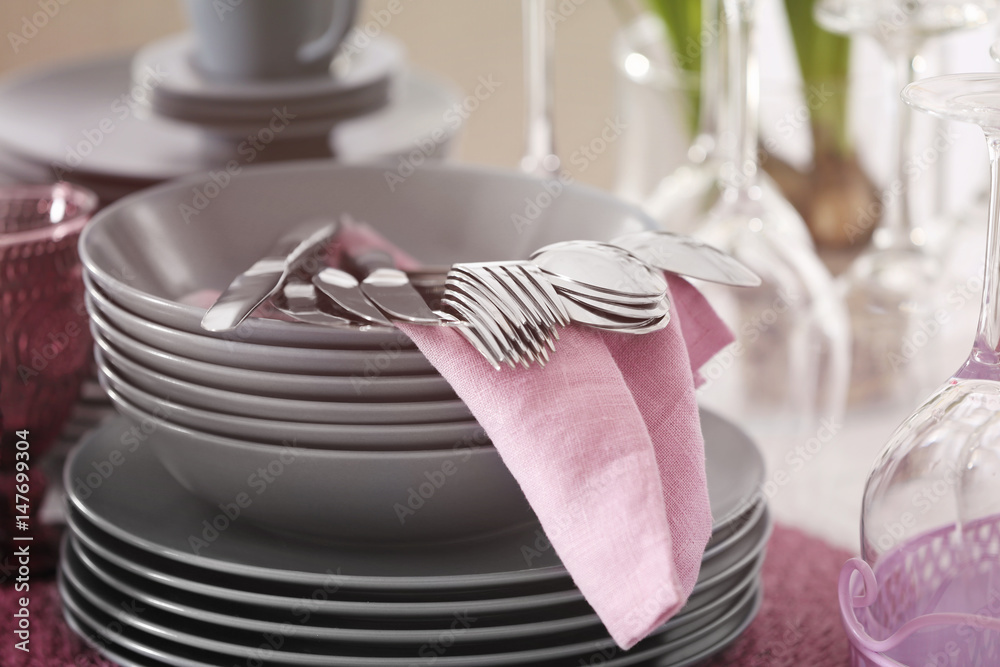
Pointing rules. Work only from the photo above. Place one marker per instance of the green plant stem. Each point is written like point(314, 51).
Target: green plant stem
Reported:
point(683, 19)
point(824, 59)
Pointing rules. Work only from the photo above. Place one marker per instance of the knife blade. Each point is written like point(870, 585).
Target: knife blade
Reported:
point(687, 256)
point(390, 289)
point(343, 289)
point(266, 276)
point(298, 300)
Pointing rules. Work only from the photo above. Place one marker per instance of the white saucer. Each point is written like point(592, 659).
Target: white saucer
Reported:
point(183, 94)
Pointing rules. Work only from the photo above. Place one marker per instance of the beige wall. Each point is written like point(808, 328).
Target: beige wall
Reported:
point(459, 39)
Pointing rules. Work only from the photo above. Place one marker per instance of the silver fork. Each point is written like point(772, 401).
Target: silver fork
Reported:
point(496, 315)
point(516, 316)
point(531, 325)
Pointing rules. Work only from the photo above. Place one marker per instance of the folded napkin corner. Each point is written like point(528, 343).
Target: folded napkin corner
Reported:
point(606, 443)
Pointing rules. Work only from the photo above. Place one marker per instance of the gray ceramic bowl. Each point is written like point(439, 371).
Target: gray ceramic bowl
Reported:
point(359, 387)
point(147, 260)
point(268, 407)
point(342, 496)
point(274, 358)
point(382, 437)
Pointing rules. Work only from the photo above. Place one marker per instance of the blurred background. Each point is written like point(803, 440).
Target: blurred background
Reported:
point(464, 41)
point(453, 38)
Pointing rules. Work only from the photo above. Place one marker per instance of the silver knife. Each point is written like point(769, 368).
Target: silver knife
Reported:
point(298, 300)
point(390, 289)
point(266, 276)
point(343, 289)
point(687, 256)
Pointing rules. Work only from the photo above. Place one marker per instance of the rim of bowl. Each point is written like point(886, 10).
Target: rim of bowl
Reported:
point(205, 438)
point(179, 184)
point(83, 198)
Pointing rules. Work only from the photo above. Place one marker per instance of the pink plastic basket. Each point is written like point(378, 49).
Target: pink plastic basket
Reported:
point(933, 601)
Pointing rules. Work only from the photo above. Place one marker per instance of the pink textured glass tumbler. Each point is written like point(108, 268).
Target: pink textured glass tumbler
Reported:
point(45, 343)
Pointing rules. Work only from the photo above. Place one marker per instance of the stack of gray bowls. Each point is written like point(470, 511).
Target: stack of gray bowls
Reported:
point(375, 418)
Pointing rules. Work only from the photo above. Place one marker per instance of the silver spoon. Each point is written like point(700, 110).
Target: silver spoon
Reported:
point(601, 267)
point(687, 256)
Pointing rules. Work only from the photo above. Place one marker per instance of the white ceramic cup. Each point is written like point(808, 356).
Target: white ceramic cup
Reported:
point(248, 40)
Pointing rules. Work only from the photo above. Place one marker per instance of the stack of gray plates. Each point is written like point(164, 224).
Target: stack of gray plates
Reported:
point(152, 575)
point(294, 494)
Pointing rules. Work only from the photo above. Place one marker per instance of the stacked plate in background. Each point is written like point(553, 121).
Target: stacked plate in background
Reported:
point(151, 574)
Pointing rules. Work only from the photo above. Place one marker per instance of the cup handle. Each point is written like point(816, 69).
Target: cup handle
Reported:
point(344, 12)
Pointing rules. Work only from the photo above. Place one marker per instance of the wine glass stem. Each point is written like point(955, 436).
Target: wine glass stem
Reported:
point(540, 153)
point(987, 346)
point(709, 94)
point(743, 94)
point(895, 230)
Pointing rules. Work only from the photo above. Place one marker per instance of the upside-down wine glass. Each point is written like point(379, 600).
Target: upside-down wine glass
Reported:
point(682, 198)
point(892, 288)
point(930, 526)
point(790, 366)
point(540, 158)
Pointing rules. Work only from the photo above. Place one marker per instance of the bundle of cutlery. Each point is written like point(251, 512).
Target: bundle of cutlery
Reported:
point(509, 311)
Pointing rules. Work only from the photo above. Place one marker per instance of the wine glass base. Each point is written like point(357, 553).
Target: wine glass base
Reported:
point(970, 98)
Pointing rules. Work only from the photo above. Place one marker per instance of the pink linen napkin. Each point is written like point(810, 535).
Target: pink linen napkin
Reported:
point(605, 441)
